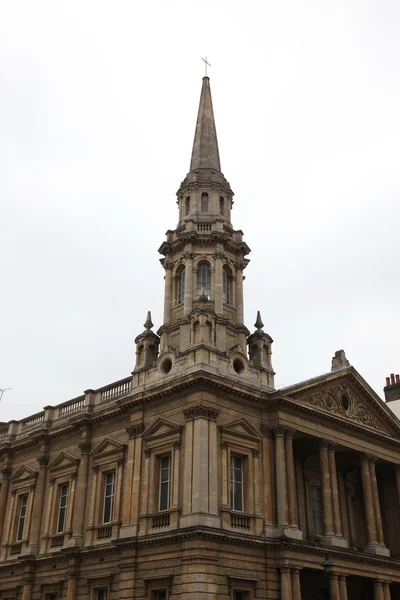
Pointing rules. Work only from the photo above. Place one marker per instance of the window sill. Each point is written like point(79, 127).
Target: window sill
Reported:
point(165, 520)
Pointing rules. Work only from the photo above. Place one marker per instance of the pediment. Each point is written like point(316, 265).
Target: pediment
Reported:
point(64, 461)
point(108, 447)
point(23, 474)
point(161, 427)
point(241, 427)
point(363, 406)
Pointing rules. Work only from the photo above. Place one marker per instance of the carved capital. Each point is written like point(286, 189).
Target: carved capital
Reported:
point(323, 444)
point(217, 254)
point(289, 433)
point(224, 445)
point(135, 430)
point(189, 255)
point(43, 460)
point(201, 412)
point(167, 264)
point(267, 431)
point(332, 447)
point(84, 447)
point(177, 445)
point(147, 452)
point(6, 473)
point(255, 452)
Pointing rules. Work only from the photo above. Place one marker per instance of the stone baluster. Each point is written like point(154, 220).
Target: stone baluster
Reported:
point(375, 500)
point(188, 297)
point(326, 487)
point(368, 500)
point(168, 293)
point(343, 587)
point(378, 590)
point(78, 520)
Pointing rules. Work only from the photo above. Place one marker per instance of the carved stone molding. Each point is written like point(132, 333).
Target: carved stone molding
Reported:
point(355, 409)
point(200, 411)
point(43, 461)
point(276, 430)
point(323, 444)
point(135, 430)
point(255, 452)
point(6, 473)
point(147, 452)
point(224, 446)
point(177, 445)
point(84, 447)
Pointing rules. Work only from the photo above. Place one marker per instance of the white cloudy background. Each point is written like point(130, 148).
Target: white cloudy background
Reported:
point(98, 103)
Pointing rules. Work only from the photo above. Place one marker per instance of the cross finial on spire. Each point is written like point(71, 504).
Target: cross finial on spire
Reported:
point(206, 64)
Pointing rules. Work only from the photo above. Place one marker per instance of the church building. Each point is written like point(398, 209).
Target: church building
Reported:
point(194, 478)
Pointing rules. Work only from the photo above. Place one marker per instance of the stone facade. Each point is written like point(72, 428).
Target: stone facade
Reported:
point(194, 477)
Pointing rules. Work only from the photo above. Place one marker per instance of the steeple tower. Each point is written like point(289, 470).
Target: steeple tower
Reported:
point(204, 259)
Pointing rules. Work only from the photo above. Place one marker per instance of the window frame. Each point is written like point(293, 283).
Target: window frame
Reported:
point(180, 284)
point(167, 481)
point(233, 482)
point(60, 496)
point(20, 507)
point(227, 285)
point(204, 202)
point(105, 496)
point(203, 282)
point(317, 523)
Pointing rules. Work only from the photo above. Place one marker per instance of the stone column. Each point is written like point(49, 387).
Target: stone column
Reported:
point(368, 500)
point(38, 506)
point(397, 471)
point(188, 297)
point(378, 590)
point(239, 293)
point(286, 584)
point(72, 587)
point(256, 480)
point(78, 520)
point(291, 480)
point(5, 484)
point(296, 589)
point(73, 576)
point(334, 587)
point(343, 587)
point(27, 591)
point(280, 474)
point(268, 485)
point(326, 487)
point(218, 283)
point(168, 292)
point(376, 503)
point(225, 485)
point(337, 521)
point(386, 590)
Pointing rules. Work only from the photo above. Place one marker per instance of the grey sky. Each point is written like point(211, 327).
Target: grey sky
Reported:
point(98, 104)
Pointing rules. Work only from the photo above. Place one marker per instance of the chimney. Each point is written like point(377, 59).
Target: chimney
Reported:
point(339, 360)
point(392, 388)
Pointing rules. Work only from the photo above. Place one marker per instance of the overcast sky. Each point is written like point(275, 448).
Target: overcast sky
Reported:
point(98, 102)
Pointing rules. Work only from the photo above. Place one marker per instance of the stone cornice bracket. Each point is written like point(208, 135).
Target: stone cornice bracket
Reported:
point(201, 412)
point(135, 431)
point(84, 447)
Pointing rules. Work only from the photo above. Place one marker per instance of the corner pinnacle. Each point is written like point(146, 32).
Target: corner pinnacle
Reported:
point(148, 324)
point(258, 324)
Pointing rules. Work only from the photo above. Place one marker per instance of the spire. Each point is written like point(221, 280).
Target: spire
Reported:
point(205, 154)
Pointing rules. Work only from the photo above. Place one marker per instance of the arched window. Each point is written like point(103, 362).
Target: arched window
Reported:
point(226, 285)
point(181, 285)
point(187, 206)
point(203, 287)
point(204, 202)
point(221, 206)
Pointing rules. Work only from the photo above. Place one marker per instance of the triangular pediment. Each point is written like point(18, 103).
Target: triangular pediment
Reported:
point(64, 460)
point(241, 427)
point(108, 446)
point(161, 427)
point(24, 473)
point(346, 395)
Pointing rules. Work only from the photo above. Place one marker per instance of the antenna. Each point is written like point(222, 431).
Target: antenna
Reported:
point(4, 390)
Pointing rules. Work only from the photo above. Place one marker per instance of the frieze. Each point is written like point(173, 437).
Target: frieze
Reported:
point(353, 409)
point(200, 411)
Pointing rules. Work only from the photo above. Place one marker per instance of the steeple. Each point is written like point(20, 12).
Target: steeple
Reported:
point(205, 153)
point(204, 258)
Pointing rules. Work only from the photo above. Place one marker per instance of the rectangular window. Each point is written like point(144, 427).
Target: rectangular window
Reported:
point(23, 504)
point(101, 594)
point(237, 595)
point(51, 597)
point(165, 481)
point(62, 507)
point(109, 496)
point(237, 482)
point(160, 595)
point(317, 511)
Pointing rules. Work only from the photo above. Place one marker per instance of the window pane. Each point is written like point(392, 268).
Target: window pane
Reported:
point(204, 202)
point(109, 496)
point(203, 287)
point(161, 595)
point(102, 594)
point(181, 285)
point(317, 510)
point(239, 596)
point(236, 482)
point(165, 481)
point(62, 509)
point(22, 515)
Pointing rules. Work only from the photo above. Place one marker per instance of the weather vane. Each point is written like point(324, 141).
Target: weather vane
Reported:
point(207, 64)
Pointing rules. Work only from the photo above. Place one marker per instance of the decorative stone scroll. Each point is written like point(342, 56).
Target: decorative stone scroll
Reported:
point(355, 410)
point(200, 411)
